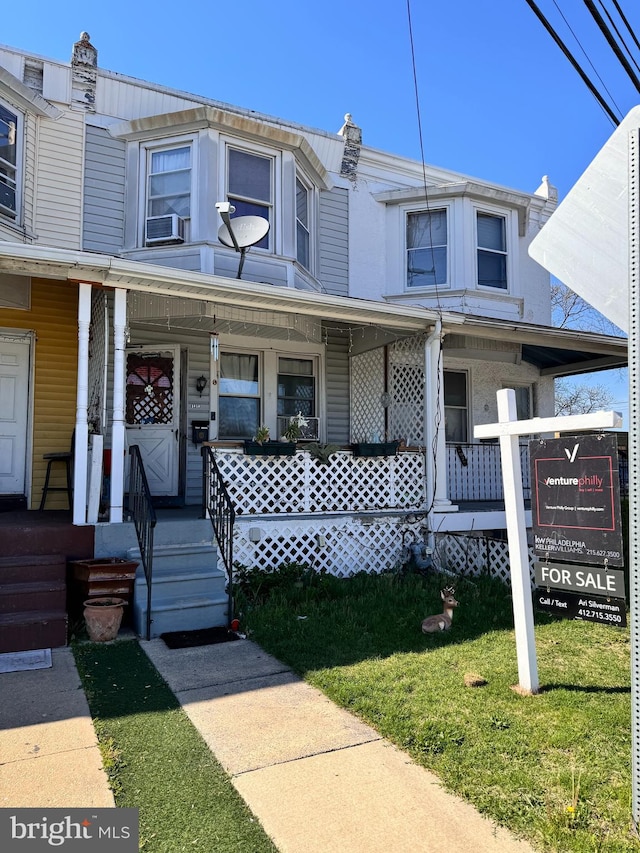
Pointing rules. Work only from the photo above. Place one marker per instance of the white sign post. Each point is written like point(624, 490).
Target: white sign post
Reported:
point(507, 430)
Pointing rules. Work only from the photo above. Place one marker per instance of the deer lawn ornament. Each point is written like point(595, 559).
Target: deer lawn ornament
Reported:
point(442, 621)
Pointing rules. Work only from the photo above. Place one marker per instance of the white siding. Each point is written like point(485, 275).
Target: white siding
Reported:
point(59, 181)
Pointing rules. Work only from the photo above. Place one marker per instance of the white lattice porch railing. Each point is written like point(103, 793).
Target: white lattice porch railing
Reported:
point(299, 484)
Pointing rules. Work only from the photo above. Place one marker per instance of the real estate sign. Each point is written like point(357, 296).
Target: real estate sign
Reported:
point(575, 499)
point(589, 608)
point(586, 580)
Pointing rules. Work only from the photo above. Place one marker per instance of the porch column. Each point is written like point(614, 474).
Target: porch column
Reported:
point(434, 432)
point(117, 427)
point(81, 446)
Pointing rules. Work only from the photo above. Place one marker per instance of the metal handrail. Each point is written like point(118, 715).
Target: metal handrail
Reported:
point(217, 505)
point(144, 519)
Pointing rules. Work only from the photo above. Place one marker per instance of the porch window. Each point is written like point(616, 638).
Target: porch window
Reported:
point(427, 248)
point(239, 395)
point(8, 163)
point(523, 402)
point(169, 182)
point(492, 251)
point(250, 186)
point(296, 387)
point(456, 407)
point(302, 224)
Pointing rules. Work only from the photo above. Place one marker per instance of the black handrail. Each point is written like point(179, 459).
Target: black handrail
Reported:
point(217, 504)
point(144, 519)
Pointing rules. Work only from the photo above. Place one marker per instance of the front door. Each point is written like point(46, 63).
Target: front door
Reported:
point(153, 414)
point(14, 403)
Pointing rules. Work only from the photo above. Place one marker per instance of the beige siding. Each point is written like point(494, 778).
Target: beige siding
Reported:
point(29, 178)
point(59, 181)
point(53, 317)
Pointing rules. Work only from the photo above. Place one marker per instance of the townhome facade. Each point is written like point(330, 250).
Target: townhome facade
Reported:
point(383, 301)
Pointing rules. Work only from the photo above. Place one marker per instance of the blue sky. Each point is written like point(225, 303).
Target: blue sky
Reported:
point(498, 100)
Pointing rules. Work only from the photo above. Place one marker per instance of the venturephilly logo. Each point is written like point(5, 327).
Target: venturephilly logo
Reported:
point(80, 830)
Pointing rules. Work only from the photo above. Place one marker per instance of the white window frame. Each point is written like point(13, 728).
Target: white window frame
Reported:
point(466, 408)
point(510, 242)
point(275, 204)
point(268, 378)
point(436, 207)
point(148, 148)
point(6, 216)
point(310, 226)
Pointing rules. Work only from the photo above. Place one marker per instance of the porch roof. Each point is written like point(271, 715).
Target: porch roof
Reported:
point(48, 262)
point(555, 352)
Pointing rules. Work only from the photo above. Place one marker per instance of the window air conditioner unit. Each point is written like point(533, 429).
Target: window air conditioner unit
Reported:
point(164, 229)
point(309, 433)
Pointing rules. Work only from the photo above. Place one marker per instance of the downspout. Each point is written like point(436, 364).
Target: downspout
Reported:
point(118, 425)
point(81, 434)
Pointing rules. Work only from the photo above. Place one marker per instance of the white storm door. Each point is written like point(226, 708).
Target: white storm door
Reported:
point(153, 414)
point(14, 402)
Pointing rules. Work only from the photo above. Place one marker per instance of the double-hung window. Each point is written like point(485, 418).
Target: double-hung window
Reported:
point(427, 248)
point(239, 395)
point(302, 225)
point(456, 417)
point(250, 186)
point(8, 163)
point(296, 387)
point(492, 251)
point(169, 182)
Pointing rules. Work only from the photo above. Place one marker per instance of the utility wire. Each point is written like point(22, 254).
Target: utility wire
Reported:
point(586, 55)
point(626, 23)
point(585, 79)
point(619, 35)
point(613, 44)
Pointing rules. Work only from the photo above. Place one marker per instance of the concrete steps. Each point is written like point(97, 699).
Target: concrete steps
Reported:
point(188, 589)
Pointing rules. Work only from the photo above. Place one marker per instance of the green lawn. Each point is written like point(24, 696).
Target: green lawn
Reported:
point(157, 761)
point(555, 768)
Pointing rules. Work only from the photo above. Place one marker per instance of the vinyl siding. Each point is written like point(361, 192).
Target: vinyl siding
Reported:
point(337, 385)
point(334, 242)
point(59, 181)
point(54, 319)
point(104, 187)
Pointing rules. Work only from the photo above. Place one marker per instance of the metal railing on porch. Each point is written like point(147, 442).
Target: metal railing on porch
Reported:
point(144, 519)
point(217, 504)
point(475, 473)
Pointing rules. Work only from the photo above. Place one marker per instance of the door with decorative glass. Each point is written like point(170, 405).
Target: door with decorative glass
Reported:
point(152, 414)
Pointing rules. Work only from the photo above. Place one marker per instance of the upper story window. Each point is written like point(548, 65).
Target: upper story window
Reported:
point(303, 239)
point(427, 248)
point(8, 163)
point(169, 182)
point(250, 186)
point(492, 251)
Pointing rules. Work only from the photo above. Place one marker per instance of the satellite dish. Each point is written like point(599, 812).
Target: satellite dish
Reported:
point(247, 230)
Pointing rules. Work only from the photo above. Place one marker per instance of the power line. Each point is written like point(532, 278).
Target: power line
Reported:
point(619, 35)
point(583, 75)
point(613, 44)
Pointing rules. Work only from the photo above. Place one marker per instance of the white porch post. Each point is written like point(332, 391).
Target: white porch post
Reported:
point(81, 446)
point(434, 433)
point(118, 428)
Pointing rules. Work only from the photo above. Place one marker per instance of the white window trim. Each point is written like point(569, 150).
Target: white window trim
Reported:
point(227, 142)
point(268, 354)
point(312, 201)
point(144, 158)
point(511, 239)
point(6, 218)
point(405, 210)
point(469, 405)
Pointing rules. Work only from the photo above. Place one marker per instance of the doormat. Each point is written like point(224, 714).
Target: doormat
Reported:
point(199, 637)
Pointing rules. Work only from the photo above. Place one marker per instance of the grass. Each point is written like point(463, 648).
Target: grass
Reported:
point(555, 768)
point(157, 761)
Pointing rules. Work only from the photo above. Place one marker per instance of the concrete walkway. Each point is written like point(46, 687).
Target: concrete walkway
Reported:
point(316, 777)
point(49, 755)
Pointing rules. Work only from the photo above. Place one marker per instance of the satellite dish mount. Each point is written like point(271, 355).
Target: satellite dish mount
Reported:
point(240, 233)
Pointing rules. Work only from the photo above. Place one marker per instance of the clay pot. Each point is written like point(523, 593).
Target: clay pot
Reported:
point(103, 617)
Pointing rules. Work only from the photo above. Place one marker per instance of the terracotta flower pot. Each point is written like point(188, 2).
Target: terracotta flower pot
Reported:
point(103, 617)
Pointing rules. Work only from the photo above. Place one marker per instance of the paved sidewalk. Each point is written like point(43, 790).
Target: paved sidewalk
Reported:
point(49, 755)
point(316, 777)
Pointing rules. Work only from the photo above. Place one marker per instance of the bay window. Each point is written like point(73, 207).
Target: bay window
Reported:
point(492, 250)
point(250, 186)
point(169, 182)
point(302, 224)
point(427, 248)
point(8, 163)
